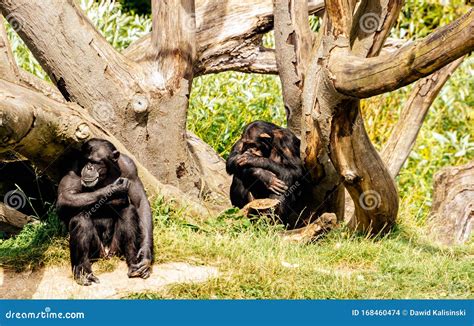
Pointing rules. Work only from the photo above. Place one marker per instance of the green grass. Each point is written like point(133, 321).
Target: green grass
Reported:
point(253, 261)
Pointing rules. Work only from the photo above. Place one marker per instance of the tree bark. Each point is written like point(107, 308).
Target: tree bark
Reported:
point(229, 36)
point(452, 213)
point(8, 67)
point(11, 220)
point(293, 42)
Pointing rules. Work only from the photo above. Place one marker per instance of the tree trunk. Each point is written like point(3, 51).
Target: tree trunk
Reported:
point(452, 212)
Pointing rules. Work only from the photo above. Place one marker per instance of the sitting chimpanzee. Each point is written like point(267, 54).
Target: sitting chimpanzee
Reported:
point(103, 203)
point(265, 163)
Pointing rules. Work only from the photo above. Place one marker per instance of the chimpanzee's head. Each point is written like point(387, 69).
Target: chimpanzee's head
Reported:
point(258, 139)
point(99, 161)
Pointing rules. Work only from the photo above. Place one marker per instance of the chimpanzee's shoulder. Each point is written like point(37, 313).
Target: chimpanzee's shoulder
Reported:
point(127, 166)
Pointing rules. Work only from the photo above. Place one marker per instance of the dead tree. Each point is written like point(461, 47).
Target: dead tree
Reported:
point(139, 98)
point(452, 212)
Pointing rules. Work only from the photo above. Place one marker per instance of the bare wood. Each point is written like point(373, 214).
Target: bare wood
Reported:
point(364, 174)
point(250, 57)
point(333, 125)
point(8, 67)
point(173, 42)
point(372, 24)
point(44, 131)
point(339, 14)
point(452, 214)
point(11, 220)
point(29, 80)
point(371, 76)
point(228, 36)
point(216, 187)
point(293, 43)
point(312, 231)
point(403, 137)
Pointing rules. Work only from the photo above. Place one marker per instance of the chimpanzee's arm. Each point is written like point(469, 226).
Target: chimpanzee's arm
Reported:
point(268, 178)
point(139, 199)
point(280, 169)
point(70, 195)
point(235, 153)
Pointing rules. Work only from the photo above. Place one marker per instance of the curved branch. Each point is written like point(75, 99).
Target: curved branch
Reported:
point(361, 78)
point(403, 137)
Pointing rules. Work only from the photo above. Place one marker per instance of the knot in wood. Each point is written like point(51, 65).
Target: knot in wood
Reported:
point(83, 131)
point(139, 103)
point(351, 177)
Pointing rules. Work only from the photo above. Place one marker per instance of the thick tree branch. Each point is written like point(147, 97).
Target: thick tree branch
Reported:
point(293, 43)
point(101, 69)
point(228, 36)
point(368, 77)
point(173, 43)
point(403, 137)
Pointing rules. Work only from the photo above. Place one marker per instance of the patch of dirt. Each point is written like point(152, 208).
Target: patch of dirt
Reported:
point(57, 282)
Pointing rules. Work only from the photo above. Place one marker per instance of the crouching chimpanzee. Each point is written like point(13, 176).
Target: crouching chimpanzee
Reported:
point(103, 203)
point(265, 163)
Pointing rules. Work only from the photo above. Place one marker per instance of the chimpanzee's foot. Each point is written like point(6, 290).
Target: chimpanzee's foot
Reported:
point(84, 278)
point(142, 269)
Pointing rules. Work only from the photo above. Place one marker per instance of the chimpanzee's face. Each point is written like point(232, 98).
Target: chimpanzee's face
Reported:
point(98, 162)
point(257, 144)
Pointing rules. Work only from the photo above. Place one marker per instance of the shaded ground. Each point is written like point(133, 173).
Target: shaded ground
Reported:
point(57, 283)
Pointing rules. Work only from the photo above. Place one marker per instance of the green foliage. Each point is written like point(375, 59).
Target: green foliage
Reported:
point(221, 105)
point(253, 260)
point(120, 29)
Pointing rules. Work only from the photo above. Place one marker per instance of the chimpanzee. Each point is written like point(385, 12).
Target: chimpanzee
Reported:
point(265, 163)
point(103, 203)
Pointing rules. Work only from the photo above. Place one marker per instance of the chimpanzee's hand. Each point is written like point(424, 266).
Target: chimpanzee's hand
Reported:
point(246, 159)
point(121, 185)
point(277, 186)
point(143, 267)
